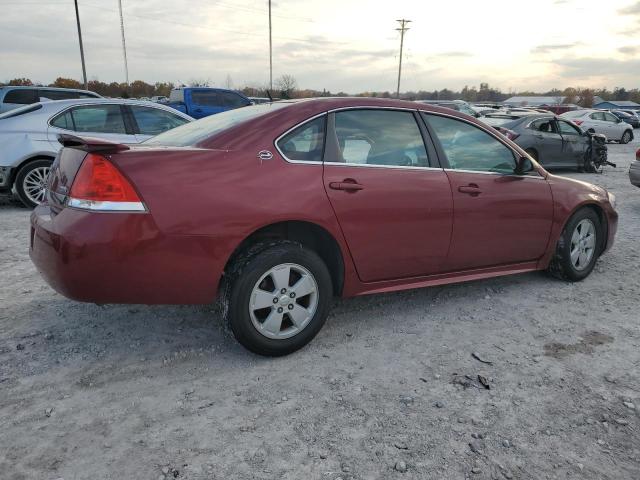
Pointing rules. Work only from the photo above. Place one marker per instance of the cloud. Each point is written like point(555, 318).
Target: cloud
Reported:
point(630, 9)
point(553, 47)
point(456, 53)
point(598, 67)
point(629, 49)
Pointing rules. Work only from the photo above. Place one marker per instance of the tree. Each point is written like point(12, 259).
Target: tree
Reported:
point(62, 82)
point(20, 82)
point(200, 82)
point(287, 85)
point(586, 97)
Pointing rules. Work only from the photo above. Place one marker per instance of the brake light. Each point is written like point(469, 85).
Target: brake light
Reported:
point(638, 154)
point(99, 185)
point(578, 122)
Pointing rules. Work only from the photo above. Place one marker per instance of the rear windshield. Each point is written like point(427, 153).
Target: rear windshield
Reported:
point(194, 132)
point(21, 111)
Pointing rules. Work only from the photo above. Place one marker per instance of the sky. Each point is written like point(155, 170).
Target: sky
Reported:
point(338, 45)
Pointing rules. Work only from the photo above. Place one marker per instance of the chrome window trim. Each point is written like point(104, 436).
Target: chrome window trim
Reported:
point(481, 172)
point(289, 160)
point(372, 165)
point(93, 205)
point(373, 107)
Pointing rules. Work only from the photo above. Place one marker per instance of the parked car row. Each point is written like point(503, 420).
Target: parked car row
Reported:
point(603, 122)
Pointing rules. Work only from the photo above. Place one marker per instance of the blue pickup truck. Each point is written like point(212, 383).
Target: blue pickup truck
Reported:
point(201, 102)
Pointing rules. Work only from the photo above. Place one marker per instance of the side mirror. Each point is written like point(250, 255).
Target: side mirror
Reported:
point(523, 166)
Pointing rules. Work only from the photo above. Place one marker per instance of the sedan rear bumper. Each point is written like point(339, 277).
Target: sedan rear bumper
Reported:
point(121, 258)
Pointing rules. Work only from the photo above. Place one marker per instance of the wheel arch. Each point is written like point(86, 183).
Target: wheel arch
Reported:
point(308, 234)
point(23, 163)
point(602, 216)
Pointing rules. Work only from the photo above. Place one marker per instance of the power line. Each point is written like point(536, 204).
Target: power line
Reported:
point(403, 28)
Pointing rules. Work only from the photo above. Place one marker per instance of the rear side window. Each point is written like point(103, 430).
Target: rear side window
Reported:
point(152, 121)
point(57, 94)
point(543, 125)
point(305, 143)
point(23, 96)
point(469, 148)
point(597, 116)
point(206, 98)
point(380, 137)
point(92, 118)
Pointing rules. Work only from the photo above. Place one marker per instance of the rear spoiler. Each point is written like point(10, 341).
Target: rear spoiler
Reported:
point(89, 144)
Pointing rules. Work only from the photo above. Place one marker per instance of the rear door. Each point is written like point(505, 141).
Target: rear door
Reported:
point(500, 217)
point(392, 199)
point(203, 102)
point(104, 120)
point(574, 144)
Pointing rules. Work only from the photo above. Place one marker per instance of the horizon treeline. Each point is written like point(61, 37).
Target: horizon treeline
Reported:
point(286, 87)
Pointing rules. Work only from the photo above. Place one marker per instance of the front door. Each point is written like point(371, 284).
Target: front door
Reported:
point(392, 201)
point(574, 145)
point(500, 217)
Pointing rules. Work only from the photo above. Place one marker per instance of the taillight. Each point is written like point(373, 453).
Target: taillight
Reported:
point(99, 185)
point(578, 122)
point(638, 154)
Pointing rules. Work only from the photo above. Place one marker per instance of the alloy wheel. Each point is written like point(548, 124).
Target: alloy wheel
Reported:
point(34, 184)
point(283, 301)
point(583, 244)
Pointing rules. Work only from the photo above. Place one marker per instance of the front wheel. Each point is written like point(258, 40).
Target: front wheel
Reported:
point(277, 300)
point(31, 182)
point(578, 247)
point(626, 137)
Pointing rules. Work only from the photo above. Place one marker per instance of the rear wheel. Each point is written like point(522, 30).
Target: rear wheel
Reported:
point(277, 299)
point(626, 136)
point(578, 247)
point(31, 182)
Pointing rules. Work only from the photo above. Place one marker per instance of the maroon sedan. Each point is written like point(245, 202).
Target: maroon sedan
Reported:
point(276, 208)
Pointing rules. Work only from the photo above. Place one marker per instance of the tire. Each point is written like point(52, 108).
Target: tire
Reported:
point(31, 175)
point(563, 265)
point(626, 136)
point(257, 298)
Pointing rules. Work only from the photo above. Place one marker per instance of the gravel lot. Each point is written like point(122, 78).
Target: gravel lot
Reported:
point(139, 392)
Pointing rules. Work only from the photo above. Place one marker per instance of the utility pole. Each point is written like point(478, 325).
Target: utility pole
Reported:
point(124, 46)
point(403, 28)
point(270, 53)
point(84, 70)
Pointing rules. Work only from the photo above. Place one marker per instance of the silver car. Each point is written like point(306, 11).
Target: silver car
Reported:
point(601, 122)
point(29, 135)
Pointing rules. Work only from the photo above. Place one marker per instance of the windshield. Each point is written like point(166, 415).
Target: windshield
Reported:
point(191, 133)
point(21, 110)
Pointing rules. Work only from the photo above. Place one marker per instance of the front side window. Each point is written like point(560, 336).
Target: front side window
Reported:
point(305, 143)
point(152, 121)
point(567, 129)
point(232, 100)
point(92, 118)
point(469, 148)
point(609, 117)
point(380, 137)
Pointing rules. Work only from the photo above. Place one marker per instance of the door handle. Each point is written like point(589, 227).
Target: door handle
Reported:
point(471, 189)
point(349, 186)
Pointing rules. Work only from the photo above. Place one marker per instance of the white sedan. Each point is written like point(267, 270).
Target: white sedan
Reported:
point(601, 122)
point(29, 135)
